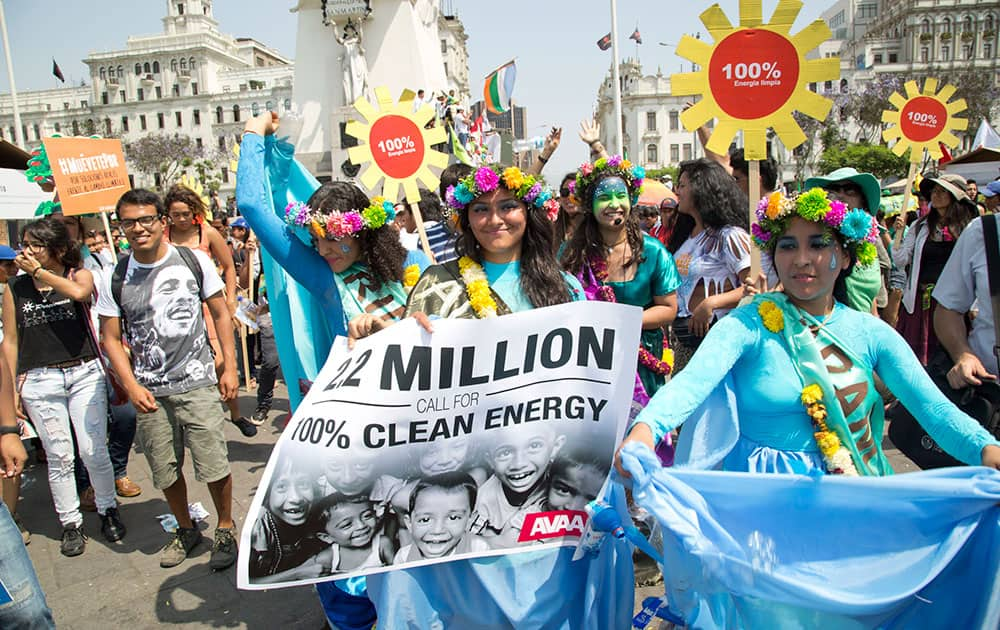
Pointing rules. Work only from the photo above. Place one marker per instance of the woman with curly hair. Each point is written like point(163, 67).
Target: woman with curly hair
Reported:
point(356, 269)
point(714, 259)
point(616, 262)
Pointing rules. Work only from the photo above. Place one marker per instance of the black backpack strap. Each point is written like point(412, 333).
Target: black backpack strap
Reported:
point(117, 282)
point(992, 243)
point(192, 263)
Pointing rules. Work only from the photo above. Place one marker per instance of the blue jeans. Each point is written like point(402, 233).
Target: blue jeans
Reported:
point(27, 609)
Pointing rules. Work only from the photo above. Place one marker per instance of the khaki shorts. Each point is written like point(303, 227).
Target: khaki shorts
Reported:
point(194, 419)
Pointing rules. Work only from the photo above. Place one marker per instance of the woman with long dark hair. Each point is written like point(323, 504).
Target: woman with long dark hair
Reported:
point(49, 340)
point(615, 261)
point(925, 249)
point(714, 258)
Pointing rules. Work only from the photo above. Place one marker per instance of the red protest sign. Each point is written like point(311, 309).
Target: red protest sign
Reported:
point(397, 146)
point(753, 73)
point(923, 118)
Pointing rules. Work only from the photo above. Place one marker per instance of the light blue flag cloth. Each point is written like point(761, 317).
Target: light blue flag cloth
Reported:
point(919, 550)
point(540, 589)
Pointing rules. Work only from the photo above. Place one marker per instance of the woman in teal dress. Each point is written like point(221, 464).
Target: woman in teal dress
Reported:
point(785, 384)
point(616, 262)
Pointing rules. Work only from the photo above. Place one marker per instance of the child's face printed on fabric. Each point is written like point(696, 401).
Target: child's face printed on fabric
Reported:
point(574, 486)
point(439, 520)
point(444, 456)
point(350, 524)
point(521, 458)
point(350, 477)
point(291, 496)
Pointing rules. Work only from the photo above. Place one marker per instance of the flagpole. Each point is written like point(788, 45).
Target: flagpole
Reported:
point(18, 134)
point(616, 81)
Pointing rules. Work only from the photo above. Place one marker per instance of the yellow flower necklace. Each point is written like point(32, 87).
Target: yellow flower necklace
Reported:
point(836, 458)
point(477, 286)
point(410, 276)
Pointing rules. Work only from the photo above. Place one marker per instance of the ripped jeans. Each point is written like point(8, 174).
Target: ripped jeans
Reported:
point(62, 402)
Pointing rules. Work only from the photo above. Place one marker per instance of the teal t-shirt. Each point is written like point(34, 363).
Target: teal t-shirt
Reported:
point(656, 275)
point(505, 280)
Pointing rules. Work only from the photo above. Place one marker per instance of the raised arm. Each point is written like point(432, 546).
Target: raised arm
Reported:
point(301, 261)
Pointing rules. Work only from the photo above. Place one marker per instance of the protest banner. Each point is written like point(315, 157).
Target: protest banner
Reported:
point(90, 173)
point(485, 437)
point(924, 120)
point(397, 148)
point(753, 78)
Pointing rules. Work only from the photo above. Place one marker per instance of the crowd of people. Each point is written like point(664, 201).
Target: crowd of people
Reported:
point(811, 352)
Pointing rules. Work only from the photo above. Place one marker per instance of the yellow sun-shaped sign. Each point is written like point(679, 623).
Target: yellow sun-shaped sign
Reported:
point(755, 76)
point(396, 145)
point(923, 119)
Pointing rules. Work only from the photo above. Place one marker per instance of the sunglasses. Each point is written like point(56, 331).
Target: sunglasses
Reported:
point(848, 189)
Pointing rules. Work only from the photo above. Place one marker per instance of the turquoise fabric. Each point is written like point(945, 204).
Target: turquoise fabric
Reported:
point(741, 381)
point(505, 280)
point(656, 275)
point(919, 550)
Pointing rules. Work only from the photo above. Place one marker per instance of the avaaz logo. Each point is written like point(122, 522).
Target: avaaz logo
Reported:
point(555, 524)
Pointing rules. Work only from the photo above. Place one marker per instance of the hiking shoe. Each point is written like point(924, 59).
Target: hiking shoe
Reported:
point(112, 526)
point(259, 416)
point(246, 427)
point(88, 502)
point(73, 541)
point(127, 488)
point(223, 549)
point(177, 549)
point(25, 534)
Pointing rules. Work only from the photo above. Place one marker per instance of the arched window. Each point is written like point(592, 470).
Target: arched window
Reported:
point(156, 67)
point(651, 154)
point(255, 109)
point(236, 113)
point(121, 72)
point(184, 64)
point(288, 104)
point(107, 126)
point(218, 115)
point(145, 68)
point(967, 24)
point(925, 26)
point(173, 65)
point(946, 25)
point(138, 69)
point(102, 73)
point(843, 86)
point(988, 24)
point(270, 106)
point(76, 128)
point(191, 63)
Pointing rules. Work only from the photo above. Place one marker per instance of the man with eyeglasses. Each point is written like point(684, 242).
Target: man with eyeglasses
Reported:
point(171, 380)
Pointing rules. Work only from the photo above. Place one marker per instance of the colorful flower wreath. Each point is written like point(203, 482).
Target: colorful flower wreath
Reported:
point(857, 227)
point(616, 166)
point(336, 224)
point(527, 188)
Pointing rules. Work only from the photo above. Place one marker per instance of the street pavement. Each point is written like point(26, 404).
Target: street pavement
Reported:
point(122, 585)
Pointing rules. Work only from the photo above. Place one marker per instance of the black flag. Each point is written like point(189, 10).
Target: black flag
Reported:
point(636, 36)
point(57, 72)
point(605, 42)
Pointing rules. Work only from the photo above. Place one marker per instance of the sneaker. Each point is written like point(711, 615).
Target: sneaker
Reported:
point(112, 526)
point(73, 541)
point(259, 416)
point(127, 488)
point(88, 502)
point(223, 549)
point(177, 549)
point(246, 427)
point(25, 534)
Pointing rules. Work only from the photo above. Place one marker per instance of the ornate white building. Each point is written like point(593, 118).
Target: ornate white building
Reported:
point(652, 132)
point(191, 79)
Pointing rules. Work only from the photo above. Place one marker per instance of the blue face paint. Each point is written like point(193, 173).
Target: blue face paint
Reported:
point(833, 261)
point(344, 247)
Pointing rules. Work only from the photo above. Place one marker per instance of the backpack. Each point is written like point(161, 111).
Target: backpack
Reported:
point(118, 277)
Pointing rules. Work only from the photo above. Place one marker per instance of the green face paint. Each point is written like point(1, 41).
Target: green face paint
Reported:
point(611, 197)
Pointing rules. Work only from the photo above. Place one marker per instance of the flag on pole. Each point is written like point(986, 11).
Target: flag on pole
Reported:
point(945, 154)
point(57, 72)
point(605, 42)
point(499, 87)
point(636, 36)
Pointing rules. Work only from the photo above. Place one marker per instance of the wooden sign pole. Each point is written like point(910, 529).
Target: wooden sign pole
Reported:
point(754, 194)
point(905, 210)
point(419, 219)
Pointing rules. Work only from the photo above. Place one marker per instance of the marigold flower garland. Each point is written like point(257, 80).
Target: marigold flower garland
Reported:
point(858, 228)
point(662, 365)
point(836, 458)
point(527, 188)
point(410, 275)
point(477, 287)
point(336, 224)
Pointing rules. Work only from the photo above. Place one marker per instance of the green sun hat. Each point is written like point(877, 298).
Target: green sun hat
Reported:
point(865, 181)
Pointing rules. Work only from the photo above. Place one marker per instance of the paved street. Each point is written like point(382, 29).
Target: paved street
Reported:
point(123, 585)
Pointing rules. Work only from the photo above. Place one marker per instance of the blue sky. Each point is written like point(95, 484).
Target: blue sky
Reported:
point(559, 64)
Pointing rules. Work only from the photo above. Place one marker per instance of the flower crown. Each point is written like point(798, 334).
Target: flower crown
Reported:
point(336, 224)
point(857, 227)
point(527, 188)
point(616, 166)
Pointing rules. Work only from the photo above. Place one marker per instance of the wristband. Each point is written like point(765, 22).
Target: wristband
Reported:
point(34, 274)
point(592, 143)
point(541, 158)
point(9, 430)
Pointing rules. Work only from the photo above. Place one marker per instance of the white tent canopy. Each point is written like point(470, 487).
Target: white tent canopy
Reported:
point(18, 197)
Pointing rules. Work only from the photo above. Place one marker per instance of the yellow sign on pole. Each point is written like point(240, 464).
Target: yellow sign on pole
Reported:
point(923, 120)
point(755, 76)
